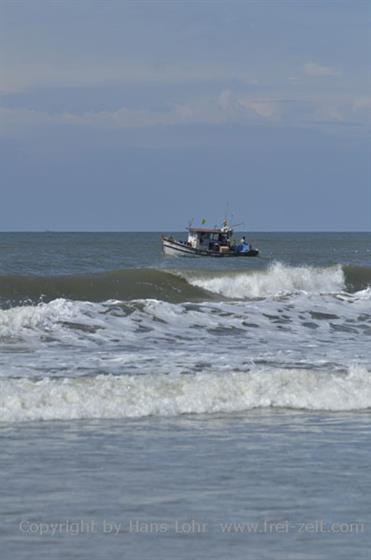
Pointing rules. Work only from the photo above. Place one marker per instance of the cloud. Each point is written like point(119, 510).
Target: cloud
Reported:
point(104, 119)
point(265, 108)
point(18, 77)
point(361, 103)
point(227, 101)
point(228, 107)
point(328, 113)
point(244, 106)
point(317, 70)
point(12, 119)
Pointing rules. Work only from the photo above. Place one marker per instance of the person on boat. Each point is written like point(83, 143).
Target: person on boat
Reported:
point(243, 247)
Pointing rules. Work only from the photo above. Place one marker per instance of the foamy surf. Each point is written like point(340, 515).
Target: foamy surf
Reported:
point(172, 395)
point(277, 280)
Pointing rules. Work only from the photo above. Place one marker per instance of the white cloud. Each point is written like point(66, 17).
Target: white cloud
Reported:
point(23, 77)
point(228, 107)
point(227, 101)
point(316, 70)
point(361, 103)
point(328, 113)
point(11, 119)
point(121, 118)
point(244, 106)
point(265, 108)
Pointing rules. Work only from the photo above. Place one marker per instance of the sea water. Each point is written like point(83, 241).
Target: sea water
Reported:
point(155, 407)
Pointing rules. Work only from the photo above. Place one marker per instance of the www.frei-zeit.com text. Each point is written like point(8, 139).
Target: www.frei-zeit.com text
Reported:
point(186, 527)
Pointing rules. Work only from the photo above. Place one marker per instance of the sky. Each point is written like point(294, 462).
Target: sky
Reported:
point(143, 115)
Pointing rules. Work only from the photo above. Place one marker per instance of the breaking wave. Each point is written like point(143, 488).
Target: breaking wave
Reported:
point(277, 280)
point(172, 395)
point(180, 286)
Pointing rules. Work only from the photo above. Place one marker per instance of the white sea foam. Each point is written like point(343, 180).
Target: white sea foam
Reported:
point(73, 338)
point(42, 317)
point(276, 280)
point(172, 395)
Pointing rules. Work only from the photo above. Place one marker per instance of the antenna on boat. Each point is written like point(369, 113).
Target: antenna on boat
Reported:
point(226, 210)
point(226, 214)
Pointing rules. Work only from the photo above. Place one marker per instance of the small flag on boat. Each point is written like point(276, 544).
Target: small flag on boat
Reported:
point(203, 221)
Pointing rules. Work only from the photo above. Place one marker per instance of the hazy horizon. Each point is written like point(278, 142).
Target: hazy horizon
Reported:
point(180, 231)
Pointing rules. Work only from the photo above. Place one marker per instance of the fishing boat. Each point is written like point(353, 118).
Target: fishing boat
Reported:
point(208, 242)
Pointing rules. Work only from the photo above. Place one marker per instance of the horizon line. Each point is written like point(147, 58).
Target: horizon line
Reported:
point(176, 231)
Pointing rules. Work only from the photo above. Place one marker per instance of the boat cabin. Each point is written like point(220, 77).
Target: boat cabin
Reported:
point(210, 239)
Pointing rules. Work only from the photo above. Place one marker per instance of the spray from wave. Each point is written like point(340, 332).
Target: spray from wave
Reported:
point(172, 395)
point(277, 280)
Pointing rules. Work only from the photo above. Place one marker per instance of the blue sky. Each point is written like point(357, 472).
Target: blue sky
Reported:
point(142, 115)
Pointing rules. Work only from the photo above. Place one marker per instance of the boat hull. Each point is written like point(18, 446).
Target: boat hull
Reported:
point(173, 248)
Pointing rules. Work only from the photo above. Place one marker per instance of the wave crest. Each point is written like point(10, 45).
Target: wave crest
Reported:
point(179, 286)
point(277, 280)
point(172, 395)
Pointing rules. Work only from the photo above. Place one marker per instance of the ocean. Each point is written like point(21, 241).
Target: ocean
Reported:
point(161, 408)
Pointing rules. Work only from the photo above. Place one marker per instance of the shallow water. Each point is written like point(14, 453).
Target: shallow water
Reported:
point(262, 484)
